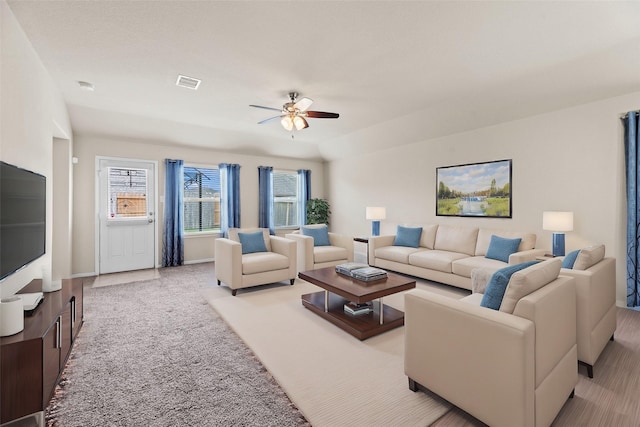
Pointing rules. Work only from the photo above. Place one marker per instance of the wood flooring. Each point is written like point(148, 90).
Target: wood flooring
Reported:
point(611, 398)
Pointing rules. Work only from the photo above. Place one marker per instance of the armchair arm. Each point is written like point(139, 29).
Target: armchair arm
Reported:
point(525, 256)
point(596, 298)
point(376, 242)
point(342, 241)
point(288, 248)
point(304, 245)
point(477, 358)
point(228, 255)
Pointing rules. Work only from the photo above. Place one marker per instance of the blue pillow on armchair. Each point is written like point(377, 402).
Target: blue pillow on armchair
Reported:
point(408, 236)
point(500, 248)
point(494, 292)
point(570, 259)
point(252, 242)
point(320, 235)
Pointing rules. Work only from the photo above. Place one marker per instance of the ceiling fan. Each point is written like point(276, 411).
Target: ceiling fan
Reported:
point(293, 113)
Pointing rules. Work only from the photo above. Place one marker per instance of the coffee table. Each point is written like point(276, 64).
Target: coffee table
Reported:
point(340, 289)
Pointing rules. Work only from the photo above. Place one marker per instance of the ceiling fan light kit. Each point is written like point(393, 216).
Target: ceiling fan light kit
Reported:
point(293, 113)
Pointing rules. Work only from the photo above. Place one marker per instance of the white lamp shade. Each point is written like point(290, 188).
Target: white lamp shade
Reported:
point(557, 221)
point(376, 213)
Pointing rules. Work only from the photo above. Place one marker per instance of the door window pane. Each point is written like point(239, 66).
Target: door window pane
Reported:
point(127, 193)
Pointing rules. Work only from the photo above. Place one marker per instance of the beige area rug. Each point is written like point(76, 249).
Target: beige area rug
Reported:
point(332, 377)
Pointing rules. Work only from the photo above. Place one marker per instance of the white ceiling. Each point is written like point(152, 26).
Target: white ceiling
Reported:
point(397, 72)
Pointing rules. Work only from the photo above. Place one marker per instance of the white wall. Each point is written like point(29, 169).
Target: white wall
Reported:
point(29, 106)
point(570, 160)
point(86, 148)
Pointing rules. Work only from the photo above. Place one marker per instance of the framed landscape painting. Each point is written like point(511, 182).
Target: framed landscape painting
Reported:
point(475, 190)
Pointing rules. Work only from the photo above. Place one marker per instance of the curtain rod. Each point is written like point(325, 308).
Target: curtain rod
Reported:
point(624, 116)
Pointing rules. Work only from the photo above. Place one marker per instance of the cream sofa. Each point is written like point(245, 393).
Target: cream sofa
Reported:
point(448, 254)
point(238, 270)
point(505, 368)
point(312, 257)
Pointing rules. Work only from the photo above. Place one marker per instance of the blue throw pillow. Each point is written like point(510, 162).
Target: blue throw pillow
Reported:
point(570, 259)
point(408, 236)
point(252, 242)
point(320, 235)
point(500, 248)
point(494, 292)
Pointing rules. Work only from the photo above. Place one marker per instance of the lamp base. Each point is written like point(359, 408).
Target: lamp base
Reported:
point(558, 244)
point(375, 228)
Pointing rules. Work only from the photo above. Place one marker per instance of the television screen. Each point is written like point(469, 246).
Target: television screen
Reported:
point(22, 217)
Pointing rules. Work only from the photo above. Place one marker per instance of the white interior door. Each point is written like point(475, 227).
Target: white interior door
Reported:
point(126, 215)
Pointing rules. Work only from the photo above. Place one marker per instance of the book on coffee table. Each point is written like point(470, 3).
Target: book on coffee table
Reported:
point(348, 267)
point(356, 309)
point(369, 274)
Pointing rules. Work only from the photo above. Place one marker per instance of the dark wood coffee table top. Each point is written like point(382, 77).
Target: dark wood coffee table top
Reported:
point(357, 290)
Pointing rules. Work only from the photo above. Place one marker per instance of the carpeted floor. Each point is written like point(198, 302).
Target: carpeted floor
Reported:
point(153, 353)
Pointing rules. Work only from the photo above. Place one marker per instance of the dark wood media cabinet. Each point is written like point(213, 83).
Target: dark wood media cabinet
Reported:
point(32, 361)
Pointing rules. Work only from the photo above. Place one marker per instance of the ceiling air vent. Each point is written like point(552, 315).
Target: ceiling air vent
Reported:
point(188, 82)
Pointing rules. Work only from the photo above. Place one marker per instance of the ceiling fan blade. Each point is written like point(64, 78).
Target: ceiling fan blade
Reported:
point(270, 119)
point(303, 104)
point(266, 108)
point(322, 115)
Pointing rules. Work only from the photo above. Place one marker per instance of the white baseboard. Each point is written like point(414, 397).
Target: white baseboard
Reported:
point(199, 261)
point(73, 276)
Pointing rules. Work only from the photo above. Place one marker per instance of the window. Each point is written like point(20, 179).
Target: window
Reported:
point(201, 199)
point(127, 193)
point(285, 198)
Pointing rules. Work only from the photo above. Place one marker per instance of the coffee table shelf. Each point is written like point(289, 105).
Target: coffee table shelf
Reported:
point(361, 326)
point(340, 289)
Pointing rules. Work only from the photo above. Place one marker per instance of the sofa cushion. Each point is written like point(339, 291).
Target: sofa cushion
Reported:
point(484, 239)
point(435, 259)
point(408, 236)
point(233, 235)
point(397, 253)
point(497, 285)
point(570, 259)
point(260, 262)
point(428, 236)
point(500, 248)
point(329, 253)
point(456, 239)
point(463, 267)
point(529, 280)
point(252, 242)
point(589, 257)
point(320, 235)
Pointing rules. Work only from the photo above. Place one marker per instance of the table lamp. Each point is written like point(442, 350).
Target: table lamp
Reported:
point(558, 222)
point(376, 214)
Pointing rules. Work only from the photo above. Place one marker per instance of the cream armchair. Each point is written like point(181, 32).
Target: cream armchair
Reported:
point(596, 303)
point(238, 270)
point(506, 369)
point(312, 257)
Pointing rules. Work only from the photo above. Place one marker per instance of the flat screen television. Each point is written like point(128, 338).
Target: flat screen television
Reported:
point(23, 212)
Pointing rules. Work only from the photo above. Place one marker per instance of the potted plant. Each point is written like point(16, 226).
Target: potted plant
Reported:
point(318, 211)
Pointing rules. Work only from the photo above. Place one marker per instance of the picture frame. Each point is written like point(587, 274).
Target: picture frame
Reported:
point(475, 190)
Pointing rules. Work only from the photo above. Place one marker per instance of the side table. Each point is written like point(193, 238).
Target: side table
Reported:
point(364, 240)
